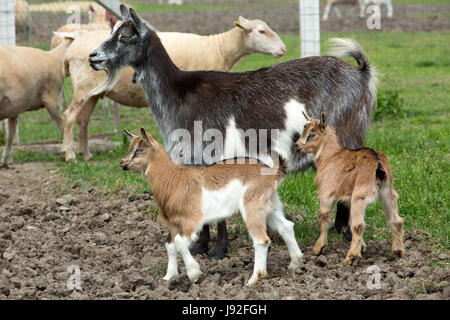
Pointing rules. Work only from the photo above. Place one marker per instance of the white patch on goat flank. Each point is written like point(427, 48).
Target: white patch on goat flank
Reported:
point(295, 121)
point(220, 204)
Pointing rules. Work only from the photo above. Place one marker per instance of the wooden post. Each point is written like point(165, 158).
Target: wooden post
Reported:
point(309, 28)
point(8, 37)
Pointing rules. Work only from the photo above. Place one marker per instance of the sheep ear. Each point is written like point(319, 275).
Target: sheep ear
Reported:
point(129, 134)
point(125, 13)
point(323, 119)
point(243, 24)
point(137, 22)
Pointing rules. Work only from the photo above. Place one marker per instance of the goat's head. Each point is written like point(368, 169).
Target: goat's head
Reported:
point(313, 134)
point(140, 152)
point(261, 38)
point(124, 47)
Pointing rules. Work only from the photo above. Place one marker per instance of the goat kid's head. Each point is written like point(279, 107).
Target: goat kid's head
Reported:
point(140, 152)
point(313, 134)
point(124, 47)
point(261, 38)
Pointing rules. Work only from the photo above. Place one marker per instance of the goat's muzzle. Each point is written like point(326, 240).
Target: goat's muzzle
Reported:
point(94, 60)
point(123, 165)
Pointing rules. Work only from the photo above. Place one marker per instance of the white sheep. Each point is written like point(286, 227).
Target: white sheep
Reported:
point(219, 52)
point(30, 79)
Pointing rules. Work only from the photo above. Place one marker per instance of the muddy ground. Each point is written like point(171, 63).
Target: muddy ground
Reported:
point(47, 225)
point(282, 17)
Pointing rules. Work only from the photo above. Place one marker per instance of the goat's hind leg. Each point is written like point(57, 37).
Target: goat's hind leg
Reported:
point(7, 152)
point(182, 244)
point(285, 228)
point(388, 197)
point(326, 205)
point(201, 245)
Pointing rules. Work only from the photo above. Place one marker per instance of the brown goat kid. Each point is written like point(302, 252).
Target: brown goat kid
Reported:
point(189, 197)
point(354, 177)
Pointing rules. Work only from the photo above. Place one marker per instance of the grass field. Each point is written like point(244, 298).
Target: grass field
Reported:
point(417, 65)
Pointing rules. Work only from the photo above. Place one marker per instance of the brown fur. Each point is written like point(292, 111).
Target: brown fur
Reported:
point(178, 188)
point(355, 177)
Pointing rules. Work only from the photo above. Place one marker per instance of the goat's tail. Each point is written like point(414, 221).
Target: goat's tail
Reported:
point(349, 48)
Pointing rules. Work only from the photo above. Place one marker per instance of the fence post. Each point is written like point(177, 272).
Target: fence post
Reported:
point(309, 28)
point(8, 37)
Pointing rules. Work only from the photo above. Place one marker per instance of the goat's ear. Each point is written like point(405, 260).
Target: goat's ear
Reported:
point(309, 119)
point(323, 119)
point(129, 134)
point(147, 138)
point(243, 24)
point(125, 13)
point(137, 22)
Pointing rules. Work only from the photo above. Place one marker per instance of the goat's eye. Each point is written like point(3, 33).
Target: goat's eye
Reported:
point(138, 152)
point(262, 31)
point(310, 136)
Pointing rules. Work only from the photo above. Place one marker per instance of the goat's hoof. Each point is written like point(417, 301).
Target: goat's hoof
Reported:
point(70, 156)
point(4, 166)
point(318, 248)
point(200, 247)
point(219, 252)
point(88, 156)
point(194, 275)
point(295, 263)
point(167, 277)
point(398, 253)
point(351, 261)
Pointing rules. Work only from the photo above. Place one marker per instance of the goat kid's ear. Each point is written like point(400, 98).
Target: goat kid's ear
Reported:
point(129, 134)
point(125, 13)
point(147, 138)
point(323, 119)
point(243, 24)
point(309, 119)
point(139, 25)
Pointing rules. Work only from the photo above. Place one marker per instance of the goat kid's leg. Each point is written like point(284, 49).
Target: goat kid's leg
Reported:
point(7, 157)
point(389, 198)
point(223, 243)
point(358, 209)
point(83, 121)
point(285, 228)
point(326, 205)
point(172, 266)
point(192, 267)
point(201, 245)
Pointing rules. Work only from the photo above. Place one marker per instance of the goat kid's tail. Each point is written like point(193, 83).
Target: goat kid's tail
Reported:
point(341, 48)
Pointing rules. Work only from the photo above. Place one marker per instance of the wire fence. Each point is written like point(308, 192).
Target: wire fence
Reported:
point(36, 19)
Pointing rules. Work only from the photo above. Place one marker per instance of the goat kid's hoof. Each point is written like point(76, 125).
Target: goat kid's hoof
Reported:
point(167, 277)
point(296, 264)
point(399, 253)
point(317, 250)
point(87, 156)
point(194, 275)
point(351, 261)
point(255, 278)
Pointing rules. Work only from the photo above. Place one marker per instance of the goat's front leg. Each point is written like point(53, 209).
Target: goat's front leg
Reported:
point(326, 205)
point(223, 244)
point(201, 245)
point(7, 152)
point(192, 267)
point(172, 266)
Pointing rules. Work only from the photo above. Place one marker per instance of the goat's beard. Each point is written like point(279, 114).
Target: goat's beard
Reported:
point(112, 76)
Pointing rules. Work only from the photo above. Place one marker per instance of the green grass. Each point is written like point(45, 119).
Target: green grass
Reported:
point(417, 65)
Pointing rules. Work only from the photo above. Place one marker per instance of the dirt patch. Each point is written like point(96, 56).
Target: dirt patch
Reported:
point(48, 225)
